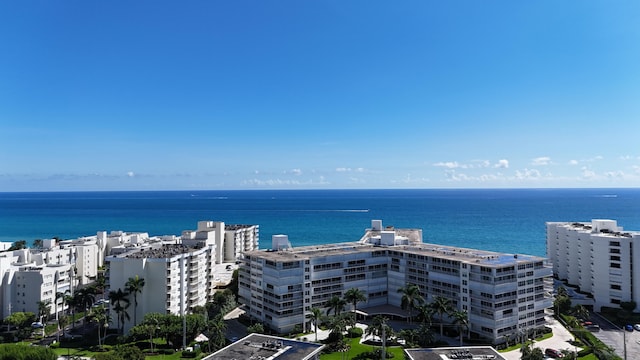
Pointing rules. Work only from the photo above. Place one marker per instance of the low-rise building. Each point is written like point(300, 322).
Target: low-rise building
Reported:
point(258, 346)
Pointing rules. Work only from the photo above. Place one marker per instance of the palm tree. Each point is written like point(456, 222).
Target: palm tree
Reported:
point(134, 286)
point(461, 318)
point(61, 296)
point(315, 315)
point(411, 298)
point(85, 297)
point(72, 302)
point(336, 304)
point(100, 316)
point(120, 303)
point(217, 329)
point(441, 306)
point(63, 321)
point(381, 329)
point(44, 309)
point(354, 296)
point(581, 312)
point(425, 314)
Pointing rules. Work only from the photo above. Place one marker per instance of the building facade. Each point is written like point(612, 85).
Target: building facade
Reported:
point(597, 257)
point(502, 293)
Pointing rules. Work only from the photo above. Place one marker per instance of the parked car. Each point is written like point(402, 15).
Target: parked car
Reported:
point(628, 327)
point(37, 325)
point(593, 328)
point(637, 327)
point(553, 353)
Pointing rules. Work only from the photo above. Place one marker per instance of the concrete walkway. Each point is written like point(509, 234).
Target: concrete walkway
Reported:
point(560, 340)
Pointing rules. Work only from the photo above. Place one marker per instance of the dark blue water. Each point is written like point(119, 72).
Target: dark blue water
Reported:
point(510, 220)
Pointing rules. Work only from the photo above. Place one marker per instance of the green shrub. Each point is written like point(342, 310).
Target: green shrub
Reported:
point(355, 332)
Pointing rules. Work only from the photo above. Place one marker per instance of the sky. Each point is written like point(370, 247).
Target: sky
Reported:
point(216, 95)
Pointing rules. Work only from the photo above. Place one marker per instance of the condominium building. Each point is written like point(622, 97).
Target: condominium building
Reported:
point(28, 276)
point(178, 276)
point(597, 257)
point(502, 293)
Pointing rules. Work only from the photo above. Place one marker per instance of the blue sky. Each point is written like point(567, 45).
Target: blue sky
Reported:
point(154, 95)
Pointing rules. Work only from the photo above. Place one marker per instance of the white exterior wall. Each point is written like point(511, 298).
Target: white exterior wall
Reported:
point(599, 260)
point(172, 285)
point(380, 272)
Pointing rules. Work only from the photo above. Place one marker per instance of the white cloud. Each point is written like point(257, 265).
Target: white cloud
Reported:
point(588, 173)
point(573, 162)
point(130, 174)
point(502, 164)
point(541, 161)
point(296, 172)
point(448, 164)
point(348, 169)
point(527, 174)
point(614, 174)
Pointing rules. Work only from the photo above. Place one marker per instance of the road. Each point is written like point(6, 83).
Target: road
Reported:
point(615, 337)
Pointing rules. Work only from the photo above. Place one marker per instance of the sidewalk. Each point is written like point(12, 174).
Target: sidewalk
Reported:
point(560, 340)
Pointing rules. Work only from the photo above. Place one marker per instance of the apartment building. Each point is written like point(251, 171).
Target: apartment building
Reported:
point(28, 276)
point(597, 257)
point(502, 293)
point(178, 276)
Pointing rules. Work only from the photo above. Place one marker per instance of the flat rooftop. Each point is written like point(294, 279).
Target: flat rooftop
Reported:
point(165, 251)
point(455, 353)
point(412, 243)
point(258, 346)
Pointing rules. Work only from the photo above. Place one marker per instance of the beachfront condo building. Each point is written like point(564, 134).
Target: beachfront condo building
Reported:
point(597, 257)
point(178, 276)
point(503, 294)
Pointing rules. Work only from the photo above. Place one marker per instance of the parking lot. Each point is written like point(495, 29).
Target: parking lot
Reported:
point(615, 337)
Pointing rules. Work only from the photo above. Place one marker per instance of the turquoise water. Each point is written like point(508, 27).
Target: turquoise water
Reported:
point(511, 220)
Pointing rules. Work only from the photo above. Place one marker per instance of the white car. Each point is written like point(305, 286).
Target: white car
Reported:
point(637, 327)
point(37, 325)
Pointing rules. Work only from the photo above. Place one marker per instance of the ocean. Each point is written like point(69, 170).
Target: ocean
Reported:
point(506, 220)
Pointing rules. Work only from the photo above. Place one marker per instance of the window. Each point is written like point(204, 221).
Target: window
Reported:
point(616, 287)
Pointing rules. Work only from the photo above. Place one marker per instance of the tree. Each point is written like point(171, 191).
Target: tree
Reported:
point(18, 245)
point(61, 296)
point(37, 244)
point(381, 329)
point(581, 312)
point(354, 296)
point(411, 298)
point(134, 286)
point(425, 314)
point(315, 315)
point(531, 353)
point(44, 309)
point(100, 316)
point(73, 304)
point(216, 331)
point(441, 306)
point(63, 321)
point(562, 304)
point(257, 328)
point(461, 318)
point(336, 304)
point(120, 302)
point(86, 297)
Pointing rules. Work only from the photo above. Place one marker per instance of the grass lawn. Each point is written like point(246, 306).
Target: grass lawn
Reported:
point(357, 348)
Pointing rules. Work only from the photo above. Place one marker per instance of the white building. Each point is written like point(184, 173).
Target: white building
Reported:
point(597, 257)
point(502, 293)
point(178, 276)
point(28, 276)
